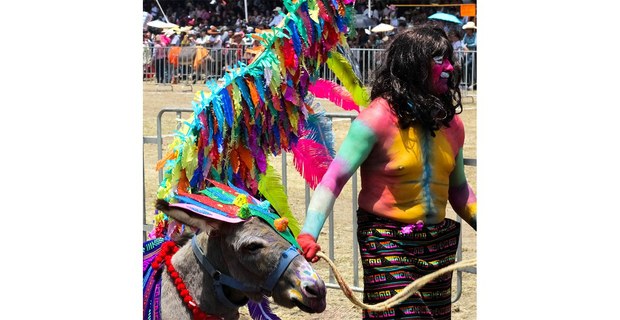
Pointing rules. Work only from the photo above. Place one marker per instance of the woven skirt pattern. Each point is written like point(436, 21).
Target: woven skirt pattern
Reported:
point(394, 254)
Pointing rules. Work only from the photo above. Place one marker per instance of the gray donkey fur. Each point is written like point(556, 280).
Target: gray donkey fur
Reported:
point(248, 252)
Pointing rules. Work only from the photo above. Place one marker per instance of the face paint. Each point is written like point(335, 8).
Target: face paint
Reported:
point(440, 72)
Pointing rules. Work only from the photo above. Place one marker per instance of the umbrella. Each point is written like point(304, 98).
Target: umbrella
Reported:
point(382, 27)
point(445, 17)
point(160, 24)
point(184, 29)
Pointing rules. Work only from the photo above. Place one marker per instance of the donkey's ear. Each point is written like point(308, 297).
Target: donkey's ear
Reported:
point(187, 217)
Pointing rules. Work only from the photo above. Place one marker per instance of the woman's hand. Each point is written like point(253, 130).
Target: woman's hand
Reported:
point(308, 246)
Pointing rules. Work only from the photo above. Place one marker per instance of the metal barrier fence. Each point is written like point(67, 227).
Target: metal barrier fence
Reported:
point(331, 283)
point(189, 65)
point(192, 65)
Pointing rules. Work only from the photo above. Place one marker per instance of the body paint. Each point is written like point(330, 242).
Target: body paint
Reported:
point(440, 74)
point(354, 149)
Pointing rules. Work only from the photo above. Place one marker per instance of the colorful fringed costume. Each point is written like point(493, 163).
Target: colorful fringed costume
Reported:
point(265, 108)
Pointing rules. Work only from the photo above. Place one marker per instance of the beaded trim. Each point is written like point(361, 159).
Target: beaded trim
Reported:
point(168, 249)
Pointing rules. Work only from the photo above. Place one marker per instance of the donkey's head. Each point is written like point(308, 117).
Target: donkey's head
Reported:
point(255, 252)
point(256, 257)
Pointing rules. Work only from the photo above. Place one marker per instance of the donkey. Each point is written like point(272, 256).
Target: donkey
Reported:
point(226, 264)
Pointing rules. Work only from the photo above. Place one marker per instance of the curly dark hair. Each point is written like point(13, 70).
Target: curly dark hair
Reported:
point(404, 79)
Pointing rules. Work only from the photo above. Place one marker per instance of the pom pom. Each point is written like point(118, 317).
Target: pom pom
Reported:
point(264, 205)
point(244, 212)
point(241, 200)
point(281, 224)
point(168, 246)
point(187, 299)
point(174, 274)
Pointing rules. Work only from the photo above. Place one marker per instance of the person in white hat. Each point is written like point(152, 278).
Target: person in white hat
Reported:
point(215, 39)
point(279, 16)
point(470, 35)
point(175, 37)
point(470, 44)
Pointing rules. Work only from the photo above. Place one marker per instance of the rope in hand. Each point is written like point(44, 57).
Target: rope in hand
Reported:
point(410, 289)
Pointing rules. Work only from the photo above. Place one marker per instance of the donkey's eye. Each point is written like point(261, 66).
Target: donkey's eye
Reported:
point(253, 247)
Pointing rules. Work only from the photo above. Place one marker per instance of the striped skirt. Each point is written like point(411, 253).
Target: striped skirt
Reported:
point(394, 254)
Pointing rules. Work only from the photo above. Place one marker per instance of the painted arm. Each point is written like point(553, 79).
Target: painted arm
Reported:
point(354, 150)
point(461, 196)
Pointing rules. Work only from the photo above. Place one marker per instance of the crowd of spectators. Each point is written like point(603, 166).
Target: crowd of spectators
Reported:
point(214, 16)
point(221, 24)
point(400, 18)
point(228, 17)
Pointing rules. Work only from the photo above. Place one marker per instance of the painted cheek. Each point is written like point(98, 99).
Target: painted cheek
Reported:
point(439, 85)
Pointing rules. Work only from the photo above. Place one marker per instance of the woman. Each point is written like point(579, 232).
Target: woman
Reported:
point(159, 56)
point(408, 144)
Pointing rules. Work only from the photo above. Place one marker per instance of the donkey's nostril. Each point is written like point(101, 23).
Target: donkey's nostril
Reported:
point(313, 289)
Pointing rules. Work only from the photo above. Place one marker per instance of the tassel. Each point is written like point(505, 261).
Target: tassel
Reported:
point(301, 25)
point(311, 159)
point(344, 72)
point(319, 129)
point(295, 37)
point(288, 53)
point(245, 93)
point(324, 13)
point(307, 25)
point(253, 93)
point(245, 156)
point(270, 186)
point(227, 106)
point(333, 92)
point(170, 156)
point(261, 310)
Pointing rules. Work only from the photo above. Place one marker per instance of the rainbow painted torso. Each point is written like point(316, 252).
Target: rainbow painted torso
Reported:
point(406, 175)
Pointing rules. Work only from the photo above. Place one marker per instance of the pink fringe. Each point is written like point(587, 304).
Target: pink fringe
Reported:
point(311, 159)
point(333, 92)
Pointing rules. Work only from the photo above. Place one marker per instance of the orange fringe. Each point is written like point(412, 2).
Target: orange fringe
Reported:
point(253, 91)
point(183, 182)
point(162, 162)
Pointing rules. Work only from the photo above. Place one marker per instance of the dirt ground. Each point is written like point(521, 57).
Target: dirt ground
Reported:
point(156, 97)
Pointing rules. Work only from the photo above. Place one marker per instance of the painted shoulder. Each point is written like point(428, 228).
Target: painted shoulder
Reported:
point(455, 134)
point(378, 116)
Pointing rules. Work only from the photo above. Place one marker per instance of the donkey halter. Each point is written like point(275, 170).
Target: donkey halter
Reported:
point(220, 279)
